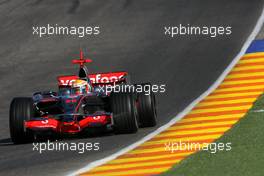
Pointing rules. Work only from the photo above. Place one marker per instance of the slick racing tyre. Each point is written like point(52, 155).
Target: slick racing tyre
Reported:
point(124, 113)
point(21, 109)
point(146, 107)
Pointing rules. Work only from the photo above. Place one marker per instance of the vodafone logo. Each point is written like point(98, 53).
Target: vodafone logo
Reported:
point(66, 82)
point(95, 78)
point(105, 79)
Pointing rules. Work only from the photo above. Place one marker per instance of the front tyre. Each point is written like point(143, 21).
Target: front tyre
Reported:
point(21, 110)
point(124, 113)
point(146, 105)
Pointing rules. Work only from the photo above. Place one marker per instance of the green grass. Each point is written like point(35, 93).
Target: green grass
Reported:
point(246, 158)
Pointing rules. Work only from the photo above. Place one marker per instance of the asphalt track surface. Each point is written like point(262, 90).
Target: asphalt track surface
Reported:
point(132, 38)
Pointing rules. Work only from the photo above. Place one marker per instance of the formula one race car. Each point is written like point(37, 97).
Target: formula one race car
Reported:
point(83, 102)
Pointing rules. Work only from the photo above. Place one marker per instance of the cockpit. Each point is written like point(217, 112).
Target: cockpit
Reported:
point(68, 90)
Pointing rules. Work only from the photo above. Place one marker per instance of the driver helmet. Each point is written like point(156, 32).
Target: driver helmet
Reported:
point(80, 86)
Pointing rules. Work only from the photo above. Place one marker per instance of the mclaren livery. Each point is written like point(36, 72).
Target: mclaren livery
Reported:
point(80, 105)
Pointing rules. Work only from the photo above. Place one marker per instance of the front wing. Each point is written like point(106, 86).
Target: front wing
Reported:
point(59, 125)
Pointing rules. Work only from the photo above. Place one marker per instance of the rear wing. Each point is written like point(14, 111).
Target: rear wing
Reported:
point(96, 78)
point(108, 78)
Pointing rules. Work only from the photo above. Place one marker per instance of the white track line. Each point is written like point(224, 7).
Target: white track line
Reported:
point(185, 111)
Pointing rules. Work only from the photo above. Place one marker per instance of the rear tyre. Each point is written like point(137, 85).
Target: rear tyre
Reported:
point(146, 106)
point(124, 113)
point(21, 110)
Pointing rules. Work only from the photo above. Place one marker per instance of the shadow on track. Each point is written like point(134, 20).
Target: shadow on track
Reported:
point(6, 142)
